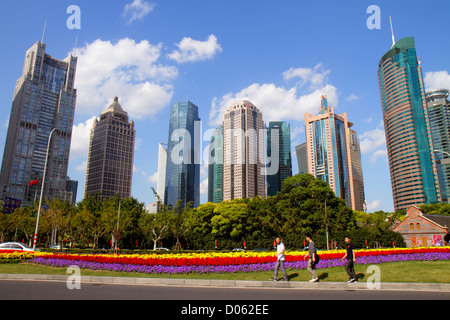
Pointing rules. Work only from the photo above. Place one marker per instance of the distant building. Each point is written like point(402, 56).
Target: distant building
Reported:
point(72, 189)
point(279, 151)
point(412, 164)
point(438, 107)
point(302, 159)
point(215, 167)
point(183, 160)
point(161, 178)
point(109, 169)
point(333, 154)
point(422, 230)
point(244, 168)
point(44, 99)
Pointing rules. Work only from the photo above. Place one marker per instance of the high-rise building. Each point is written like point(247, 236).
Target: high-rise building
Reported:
point(333, 154)
point(278, 155)
point(215, 167)
point(244, 168)
point(302, 159)
point(183, 156)
point(44, 99)
point(109, 168)
point(161, 178)
point(412, 165)
point(438, 107)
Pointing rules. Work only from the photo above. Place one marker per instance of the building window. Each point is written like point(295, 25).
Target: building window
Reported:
point(411, 226)
point(418, 226)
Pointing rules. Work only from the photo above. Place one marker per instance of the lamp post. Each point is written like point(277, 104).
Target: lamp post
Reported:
point(444, 152)
point(326, 220)
point(42, 190)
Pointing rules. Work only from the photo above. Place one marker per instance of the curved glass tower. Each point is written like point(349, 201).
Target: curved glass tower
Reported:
point(183, 156)
point(408, 138)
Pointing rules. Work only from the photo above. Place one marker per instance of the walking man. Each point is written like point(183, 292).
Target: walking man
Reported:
point(351, 258)
point(312, 259)
point(280, 261)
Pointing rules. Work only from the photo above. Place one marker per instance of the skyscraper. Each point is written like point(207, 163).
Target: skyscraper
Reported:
point(44, 99)
point(412, 165)
point(183, 156)
point(279, 155)
point(333, 154)
point(111, 151)
point(215, 167)
point(243, 175)
point(161, 182)
point(438, 107)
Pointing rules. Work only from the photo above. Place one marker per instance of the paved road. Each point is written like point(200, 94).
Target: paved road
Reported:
point(57, 290)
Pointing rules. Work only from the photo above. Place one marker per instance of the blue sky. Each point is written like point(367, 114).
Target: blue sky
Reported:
point(281, 55)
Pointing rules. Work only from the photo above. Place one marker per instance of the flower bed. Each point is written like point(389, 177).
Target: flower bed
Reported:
point(231, 262)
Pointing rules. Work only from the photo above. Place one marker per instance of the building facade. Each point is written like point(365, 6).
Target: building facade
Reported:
point(279, 158)
point(215, 167)
point(412, 164)
point(423, 230)
point(244, 168)
point(44, 99)
point(109, 168)
point(333, 154)
point(438, 107)
point(183, 156)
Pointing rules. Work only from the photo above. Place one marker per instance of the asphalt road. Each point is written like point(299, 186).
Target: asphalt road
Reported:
point(58, 290)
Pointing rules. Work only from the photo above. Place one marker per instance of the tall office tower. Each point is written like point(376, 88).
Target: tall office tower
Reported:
point(161, 178)
point(333, 154)
point(109, 169)
point(243, 150)
point(183, 156)
point(438, 107)
point(215, 167)
point(44, 99)
point(278, 156)
point(412, 165)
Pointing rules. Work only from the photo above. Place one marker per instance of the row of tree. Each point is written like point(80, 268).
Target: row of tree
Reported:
point(304, 205)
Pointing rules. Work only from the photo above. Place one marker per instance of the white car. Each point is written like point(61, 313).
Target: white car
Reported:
point(19, 246)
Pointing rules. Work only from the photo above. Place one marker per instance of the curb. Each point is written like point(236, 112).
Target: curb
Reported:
point(385, 286)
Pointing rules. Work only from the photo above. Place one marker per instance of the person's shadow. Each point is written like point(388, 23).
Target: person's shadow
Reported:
point(323, 276)
point(292, 275)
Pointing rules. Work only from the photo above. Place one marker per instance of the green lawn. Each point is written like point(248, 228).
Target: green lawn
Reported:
point(414, 271)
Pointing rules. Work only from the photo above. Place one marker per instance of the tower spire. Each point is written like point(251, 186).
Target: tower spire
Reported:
point(392, 31)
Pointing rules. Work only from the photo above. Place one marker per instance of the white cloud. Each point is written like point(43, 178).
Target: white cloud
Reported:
point(316, 77)
point(437, 80)
point(352, 97)
point(373, 143)
point(125, 69)
point(190, 50)
point(275, 103)
point(371, 140)
point(204, 186)
point(373, 206)
point(137, 10)
point(80, 140)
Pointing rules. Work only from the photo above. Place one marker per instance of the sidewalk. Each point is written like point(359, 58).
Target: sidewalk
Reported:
point(389, 286)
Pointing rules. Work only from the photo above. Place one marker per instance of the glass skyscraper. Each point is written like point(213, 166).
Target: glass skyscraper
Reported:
point(333, 154)
point(412, 165)
point(438, 107)
point(183, 156)
point(215, 167)
point(279, 133)
point(44, 99)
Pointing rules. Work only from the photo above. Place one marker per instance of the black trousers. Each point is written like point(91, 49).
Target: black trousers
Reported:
point(350, 269)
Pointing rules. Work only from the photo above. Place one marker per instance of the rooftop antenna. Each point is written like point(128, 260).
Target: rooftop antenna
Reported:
point(392, 31)
point(43, 32)
point(75, 49)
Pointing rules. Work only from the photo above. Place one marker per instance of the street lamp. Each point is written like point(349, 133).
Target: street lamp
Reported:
point(42, 190)
point(326, 220)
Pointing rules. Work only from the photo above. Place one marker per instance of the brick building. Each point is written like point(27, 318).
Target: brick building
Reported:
point(422, 230)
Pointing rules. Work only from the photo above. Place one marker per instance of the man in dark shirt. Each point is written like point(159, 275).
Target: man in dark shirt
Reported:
point(350, 255)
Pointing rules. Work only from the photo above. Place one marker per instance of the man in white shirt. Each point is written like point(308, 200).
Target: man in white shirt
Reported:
point(280, 261)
